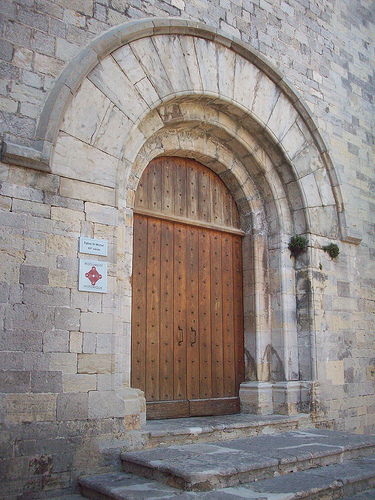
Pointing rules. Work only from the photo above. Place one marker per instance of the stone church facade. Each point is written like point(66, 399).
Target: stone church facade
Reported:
point(258, 115)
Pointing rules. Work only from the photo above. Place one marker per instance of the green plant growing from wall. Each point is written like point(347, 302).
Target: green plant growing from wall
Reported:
point(332, 249)
point(297, 245)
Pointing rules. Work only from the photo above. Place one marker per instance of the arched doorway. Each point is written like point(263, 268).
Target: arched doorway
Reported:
point(187, 306)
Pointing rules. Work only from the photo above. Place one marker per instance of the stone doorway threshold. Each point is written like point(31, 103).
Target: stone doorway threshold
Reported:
point(159, 433)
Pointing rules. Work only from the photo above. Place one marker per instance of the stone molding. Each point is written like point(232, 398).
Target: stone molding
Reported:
point(37, 153)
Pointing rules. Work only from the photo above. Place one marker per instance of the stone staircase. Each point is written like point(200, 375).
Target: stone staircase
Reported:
point(237, 457)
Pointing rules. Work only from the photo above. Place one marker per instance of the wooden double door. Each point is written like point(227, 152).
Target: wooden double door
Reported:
point(187, 313)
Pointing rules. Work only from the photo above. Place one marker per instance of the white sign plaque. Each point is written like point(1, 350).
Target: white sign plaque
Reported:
point(92, 246)
point(92, 276)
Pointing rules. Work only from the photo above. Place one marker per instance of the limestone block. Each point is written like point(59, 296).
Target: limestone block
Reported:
point(104, 381)
point(75, 342)
point(78, 160)
point(30, 408)
point(265, 98)
point(58, 278)
point(96, 322)
point(335, 372)
point(64, 362)
point(256, 397)
point(56, 341)
point(324, 222)
point(10, 262)
point(310, 191)
point(226, 69)
point(294, 142)
point(112, 133)
point(86, 192)
point(206, 56)
point(14, 381)
point(23, 58)
point(104, 343)
point(85, 112)
point(89, 343)
point(5, 203)
point(61, 245)
point(147, 55)
point(324, 186)
point(129, 64)
point(245, 82)
point(282, 117)
point(188, 48)
point(46, 381)
point(107, 404)
point(95, 363)
point(30, 317)
point(171, 56)
point(71, 217)
point(72, 406)
point(33, 275)
point(79, 383)
point(308, 161)
point(109, 78)
point(31, 208)
point(101, 214)
point(36, 180)
point(46, 296)
point(147, 91)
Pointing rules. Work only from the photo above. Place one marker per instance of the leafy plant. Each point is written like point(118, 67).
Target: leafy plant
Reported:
point(332, 249)
point(297, 245)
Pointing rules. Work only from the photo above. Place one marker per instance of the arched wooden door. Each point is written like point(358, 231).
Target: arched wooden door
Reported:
point(187, 308)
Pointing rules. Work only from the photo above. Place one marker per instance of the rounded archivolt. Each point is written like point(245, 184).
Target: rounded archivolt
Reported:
point(130, 70)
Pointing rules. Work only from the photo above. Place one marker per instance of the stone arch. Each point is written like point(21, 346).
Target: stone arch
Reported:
point(121, 102)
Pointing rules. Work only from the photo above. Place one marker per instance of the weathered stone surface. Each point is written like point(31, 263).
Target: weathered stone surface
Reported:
point(95, 363)
point(72, 406)
point(30, 408)
point(216, 465)
point(46, 381)
point(32, 275)
point(78, 160)
point(87, 192)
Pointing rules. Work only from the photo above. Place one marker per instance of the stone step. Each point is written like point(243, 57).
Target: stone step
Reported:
point(162, 433)
point(207, 466)
point(342, 480)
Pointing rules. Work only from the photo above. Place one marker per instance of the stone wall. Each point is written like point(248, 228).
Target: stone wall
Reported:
point(64, 384)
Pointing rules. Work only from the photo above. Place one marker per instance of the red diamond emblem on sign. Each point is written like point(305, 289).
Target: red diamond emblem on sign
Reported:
point(93, 276)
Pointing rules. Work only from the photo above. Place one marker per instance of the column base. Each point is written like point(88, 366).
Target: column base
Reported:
point(280, 398)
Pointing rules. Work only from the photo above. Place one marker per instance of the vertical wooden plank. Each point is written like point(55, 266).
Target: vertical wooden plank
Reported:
point(139, 303)
point(166, 312)
point(204, 271)
point(154, 190)
point(238, 310)
point(180, 330)
point(153, 310)
point(227, 204)
point(228, 322)
point(180, 187)
point(168, 185)
point(193, 328)
point(141, 195)
point(217, 203)
point(204, 194)
point(192, 189)
point(216, 316)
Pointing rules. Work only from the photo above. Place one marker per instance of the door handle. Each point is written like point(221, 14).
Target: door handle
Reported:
point(194, 337)
point(181, 339)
